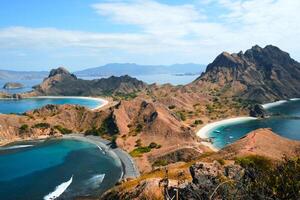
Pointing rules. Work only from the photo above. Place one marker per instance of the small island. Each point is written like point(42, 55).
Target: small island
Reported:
point(12, 85)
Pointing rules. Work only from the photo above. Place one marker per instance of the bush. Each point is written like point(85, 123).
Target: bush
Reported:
point(63, 130)
point(198, 121)
point(181, 115)
point(256, 161)
point(158, 163)
point(42, 125)
point(171, 107)
point(137, 152)
point(24, 128)
point(152, 145)
point(139, 128)
point(221, 161)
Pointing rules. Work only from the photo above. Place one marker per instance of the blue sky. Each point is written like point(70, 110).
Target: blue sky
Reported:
point(40, 35)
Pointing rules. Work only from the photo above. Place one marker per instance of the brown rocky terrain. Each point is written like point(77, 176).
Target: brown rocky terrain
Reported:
point(156, 124)
point(201, 178)
point(260, 74)
point(51, 120)
point(262, 142)
point(62, 82)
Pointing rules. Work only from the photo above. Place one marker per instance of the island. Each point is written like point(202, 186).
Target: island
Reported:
point(12, 85)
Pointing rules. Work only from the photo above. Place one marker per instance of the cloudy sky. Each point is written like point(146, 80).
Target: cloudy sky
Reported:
point(39, 35)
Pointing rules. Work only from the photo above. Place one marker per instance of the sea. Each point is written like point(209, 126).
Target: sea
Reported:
point(64, 168)
point(284, 120)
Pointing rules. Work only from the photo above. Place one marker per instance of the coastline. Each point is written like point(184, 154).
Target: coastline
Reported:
point(103, 101)
point(126, 161)
point(204, 131)
point(273, 104)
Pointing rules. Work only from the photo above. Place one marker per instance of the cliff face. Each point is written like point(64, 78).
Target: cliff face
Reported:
point(62, 82)
point(259, 74)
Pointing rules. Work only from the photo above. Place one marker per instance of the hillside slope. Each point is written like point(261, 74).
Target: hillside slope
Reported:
point(62, 82)
point(260, 74)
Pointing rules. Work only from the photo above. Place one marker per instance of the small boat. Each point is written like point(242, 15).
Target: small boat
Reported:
point(230, 137)
point(217, 131)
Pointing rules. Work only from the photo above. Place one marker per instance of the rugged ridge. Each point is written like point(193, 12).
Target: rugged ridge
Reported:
point(260, 74)
point(62, 82)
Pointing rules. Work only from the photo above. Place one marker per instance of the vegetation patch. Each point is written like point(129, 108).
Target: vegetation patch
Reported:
point(171, 107)
point(63, 130)
point(42, 125)
point(139, 151)
point(24, 128)
point(198, 122)
point(107, 129)
point(181, 115)
point(158, 163)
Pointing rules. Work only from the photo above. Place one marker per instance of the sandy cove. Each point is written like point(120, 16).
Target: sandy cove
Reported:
point(129, 167)
point(204, 131)
point(103, 102)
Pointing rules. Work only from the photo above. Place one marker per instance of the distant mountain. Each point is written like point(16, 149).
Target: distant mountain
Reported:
point(22, 75)
point(62, 82)
point(260, 74)
point(132, 69)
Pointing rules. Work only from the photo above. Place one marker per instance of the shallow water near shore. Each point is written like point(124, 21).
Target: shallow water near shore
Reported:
point(285, 122)
point(22, 105)
point(42, 170)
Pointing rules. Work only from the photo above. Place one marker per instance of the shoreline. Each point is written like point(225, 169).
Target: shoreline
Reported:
point(277, 103)
point(103, 101)
point(129, 168)
point(203, 133)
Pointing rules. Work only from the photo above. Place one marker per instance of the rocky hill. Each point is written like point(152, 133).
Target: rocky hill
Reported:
point(260, 74)
point(62, 82)
point(246, 169)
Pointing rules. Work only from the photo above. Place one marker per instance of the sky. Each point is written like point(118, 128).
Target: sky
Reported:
point(78, 34)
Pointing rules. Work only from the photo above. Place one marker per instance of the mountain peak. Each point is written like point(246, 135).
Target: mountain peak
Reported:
point(61, 71)
point(255, 73)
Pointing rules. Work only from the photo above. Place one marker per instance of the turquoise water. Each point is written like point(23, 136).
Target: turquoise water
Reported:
point(23, 105)
point(285, 122)
point(35, 171)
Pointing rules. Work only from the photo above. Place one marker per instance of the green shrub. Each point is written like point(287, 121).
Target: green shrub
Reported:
point(221, 161)
point(63, 130)
point(137, 152)
point(139, 128)
point(152, 145)
point(198, 121)
point(158, 163)
point(171, 107)
point(24, 128)
point(42, 125)
point(181, 115)
point(259, 162)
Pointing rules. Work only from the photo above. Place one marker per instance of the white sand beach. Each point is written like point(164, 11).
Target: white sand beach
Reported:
point(204, 131)
point(102, 102)
point(273, 104)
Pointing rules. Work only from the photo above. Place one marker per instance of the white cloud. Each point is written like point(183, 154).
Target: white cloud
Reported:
point(175, 33)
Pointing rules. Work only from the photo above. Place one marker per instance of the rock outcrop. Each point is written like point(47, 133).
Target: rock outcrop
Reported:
point(258, 111)
point(260, 74)
point(206, 178)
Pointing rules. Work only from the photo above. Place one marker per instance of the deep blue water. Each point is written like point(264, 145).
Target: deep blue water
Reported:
point(287, 124)
point(33, 172)
point(23, 105)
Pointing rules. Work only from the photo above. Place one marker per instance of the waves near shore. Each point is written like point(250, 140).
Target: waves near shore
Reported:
point(59, 190)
